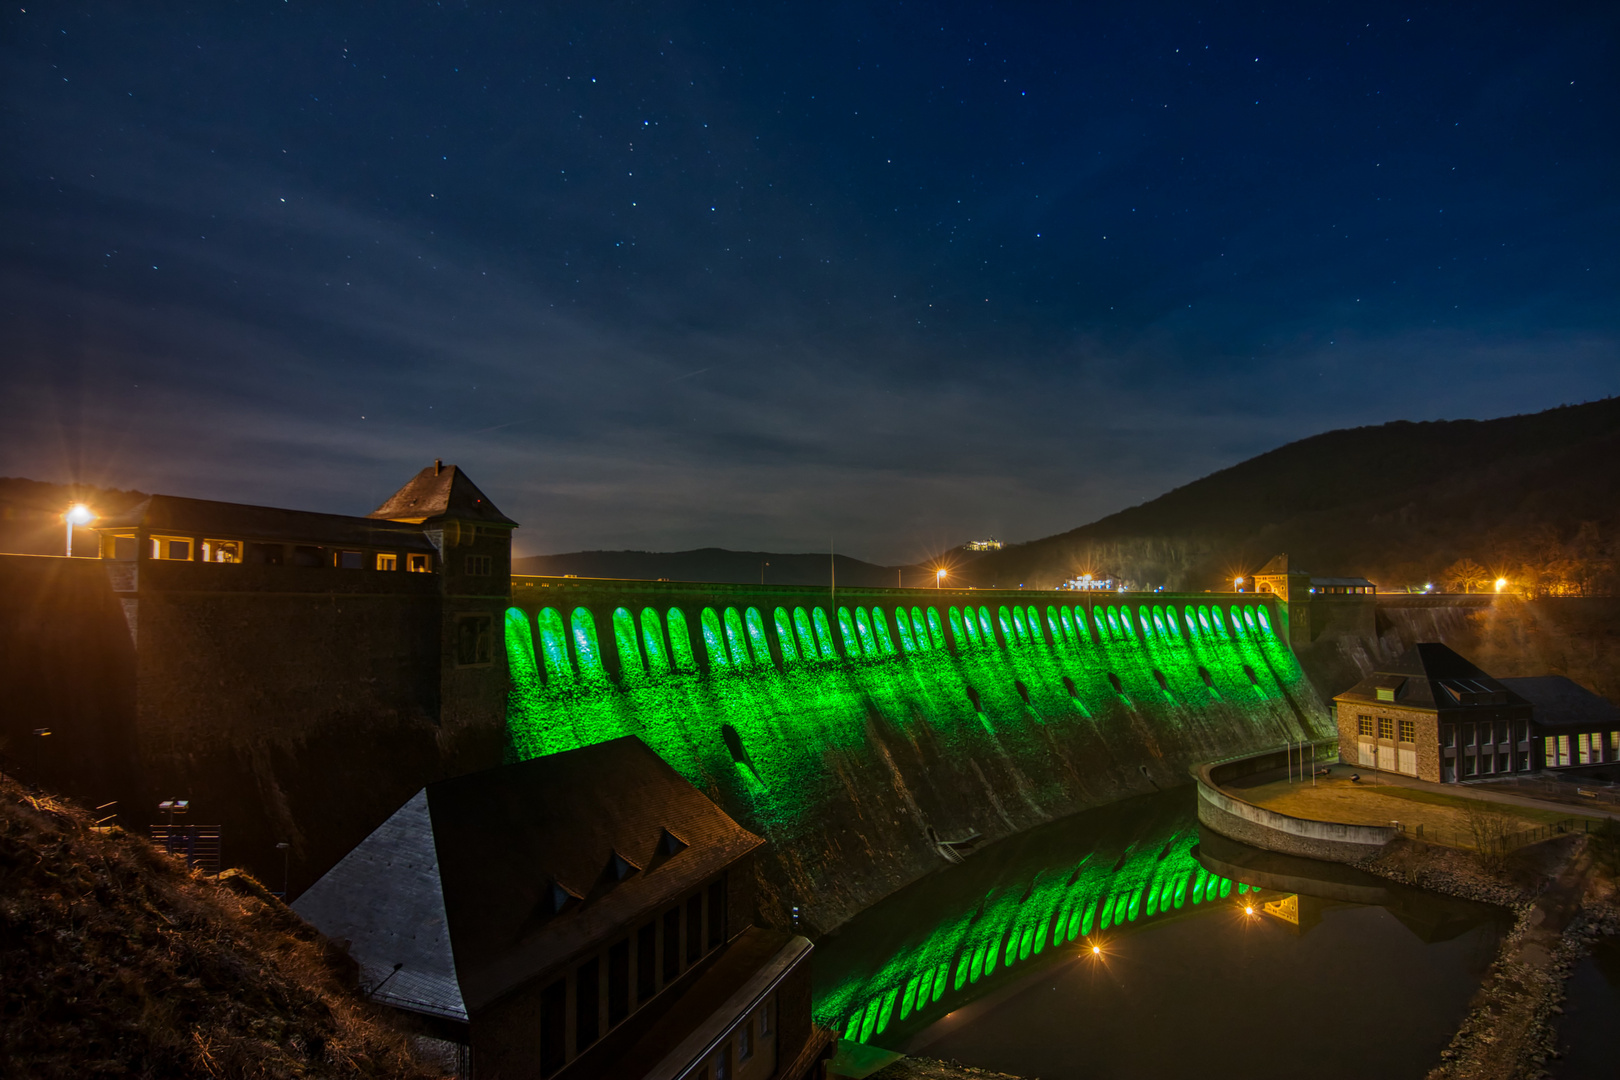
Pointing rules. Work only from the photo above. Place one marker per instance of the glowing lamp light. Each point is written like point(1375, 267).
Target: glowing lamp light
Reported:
point(1501, 583)
point(1096, 950)
point(77, 514)
point(1249, 910)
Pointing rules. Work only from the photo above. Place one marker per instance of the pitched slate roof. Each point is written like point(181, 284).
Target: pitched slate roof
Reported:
point(440, 491)
point(241, 521)
point(1432, 676)
point(383, 898)
point(533, 864)
point(1562, 702)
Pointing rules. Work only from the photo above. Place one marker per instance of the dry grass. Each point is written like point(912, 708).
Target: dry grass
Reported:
point(1444, 817)
point(117, 961)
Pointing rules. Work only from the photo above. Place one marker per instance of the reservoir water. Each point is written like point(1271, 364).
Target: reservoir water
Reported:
point(1121, 942)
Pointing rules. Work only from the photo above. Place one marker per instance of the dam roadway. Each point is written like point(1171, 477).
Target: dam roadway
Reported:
point(874, 735)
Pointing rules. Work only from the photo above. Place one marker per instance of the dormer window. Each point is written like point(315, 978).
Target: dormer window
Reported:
point(1386, 693)
point(670, 844)
point(619, 867)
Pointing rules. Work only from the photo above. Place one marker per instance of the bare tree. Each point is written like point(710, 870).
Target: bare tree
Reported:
point(1492, 827)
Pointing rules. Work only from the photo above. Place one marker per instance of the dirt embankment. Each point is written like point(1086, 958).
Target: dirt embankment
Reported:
point(1563, 892)
point(117, 961)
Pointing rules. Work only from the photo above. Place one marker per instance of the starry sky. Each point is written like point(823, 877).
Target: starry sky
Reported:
point(777, 275)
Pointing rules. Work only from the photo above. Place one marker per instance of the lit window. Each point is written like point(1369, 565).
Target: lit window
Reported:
point(1365, 725)
point(1386, 728)
point(387, 560)
point(172, 548)
point(419, 564)
point(1582, 749)
point(351, 560)
point(1409, 731)
point(222, 551)
point(122, 548)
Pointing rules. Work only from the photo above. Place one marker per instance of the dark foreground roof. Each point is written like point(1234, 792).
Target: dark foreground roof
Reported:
point(1561, 702)
point(241, 521)
point(1432, 676)
point(440, 491)
point(484, 882)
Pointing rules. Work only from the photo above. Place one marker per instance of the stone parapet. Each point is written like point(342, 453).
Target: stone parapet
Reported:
point(1238, 819)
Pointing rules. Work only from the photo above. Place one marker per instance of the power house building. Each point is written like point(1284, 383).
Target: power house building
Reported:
point(1434, 715)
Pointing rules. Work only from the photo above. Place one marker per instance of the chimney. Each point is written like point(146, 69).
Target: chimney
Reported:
point(438, 466)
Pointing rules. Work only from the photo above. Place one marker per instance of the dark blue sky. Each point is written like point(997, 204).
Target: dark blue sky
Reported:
point(663, 276)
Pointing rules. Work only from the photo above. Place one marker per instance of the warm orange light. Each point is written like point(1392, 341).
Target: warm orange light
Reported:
point(80, 515)
point(939, 573)
point(1501, 583)
point(1249, 910)
point(1095, 949)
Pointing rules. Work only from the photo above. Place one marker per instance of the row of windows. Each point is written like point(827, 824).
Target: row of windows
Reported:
point(1387, 728)
point(1584, 748)
point(603, 990)
point(735, 638)
point(210, 550)
point(1485, 733)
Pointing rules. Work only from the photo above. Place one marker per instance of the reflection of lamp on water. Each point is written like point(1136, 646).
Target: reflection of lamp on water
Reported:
point(79, 514)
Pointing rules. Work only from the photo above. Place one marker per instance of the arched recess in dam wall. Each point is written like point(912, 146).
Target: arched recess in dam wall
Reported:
point(862, 735)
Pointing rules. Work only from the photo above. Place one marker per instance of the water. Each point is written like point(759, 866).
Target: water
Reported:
point(1284, 967)
point(1591, 1006)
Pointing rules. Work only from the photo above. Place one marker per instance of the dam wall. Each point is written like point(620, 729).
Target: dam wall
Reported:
point(874, 735)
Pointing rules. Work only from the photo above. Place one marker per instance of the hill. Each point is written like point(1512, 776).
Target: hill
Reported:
point(718, 564)
point(1533, 497)
point(115, 960)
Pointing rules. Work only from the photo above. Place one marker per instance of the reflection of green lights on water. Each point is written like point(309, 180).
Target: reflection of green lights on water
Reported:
point(1011, 926)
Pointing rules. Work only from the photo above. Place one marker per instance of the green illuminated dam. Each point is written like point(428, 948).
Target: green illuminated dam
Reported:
point(873, 736)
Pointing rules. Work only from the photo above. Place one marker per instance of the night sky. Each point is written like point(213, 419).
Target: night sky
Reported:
point(664, 276)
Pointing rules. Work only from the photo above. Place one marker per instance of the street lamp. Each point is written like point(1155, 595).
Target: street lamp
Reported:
point(1237, 584)
point(939, 576)
point(1501, 583)
point(78, 514)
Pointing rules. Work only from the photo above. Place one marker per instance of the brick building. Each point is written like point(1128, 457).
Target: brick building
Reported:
point(1434, 715)
point(275, 654)
point(586, 914)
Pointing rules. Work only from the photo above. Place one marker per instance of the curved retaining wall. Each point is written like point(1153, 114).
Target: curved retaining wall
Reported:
point(1256, 826)
point(865, 737)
